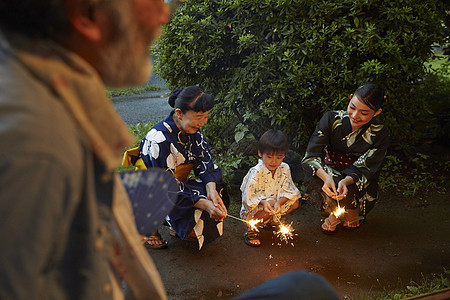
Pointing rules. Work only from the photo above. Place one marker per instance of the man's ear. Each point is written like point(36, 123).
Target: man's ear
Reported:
point(81, 15)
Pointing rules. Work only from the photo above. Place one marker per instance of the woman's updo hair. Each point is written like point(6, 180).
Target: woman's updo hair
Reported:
point(371, 94)
point(184, 99)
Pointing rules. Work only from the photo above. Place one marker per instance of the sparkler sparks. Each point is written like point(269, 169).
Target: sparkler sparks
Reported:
point(285, 232)
point(252, 223)
point(338, 211)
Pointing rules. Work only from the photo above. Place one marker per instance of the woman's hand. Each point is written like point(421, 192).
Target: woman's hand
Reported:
point(328, 187)
point(342, 186)
point(220, 210)
point(215, 211)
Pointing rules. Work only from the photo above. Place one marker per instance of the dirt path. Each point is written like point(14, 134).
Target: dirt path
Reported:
point(396, 245)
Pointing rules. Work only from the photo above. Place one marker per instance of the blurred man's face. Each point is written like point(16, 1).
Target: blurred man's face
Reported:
point(134, 25)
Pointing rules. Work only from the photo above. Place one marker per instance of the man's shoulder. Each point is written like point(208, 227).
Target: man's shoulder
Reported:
point(34, 120)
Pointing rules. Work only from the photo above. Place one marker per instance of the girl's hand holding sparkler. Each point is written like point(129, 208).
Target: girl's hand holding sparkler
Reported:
point(338, 197)
point(342, 185)
point(330, 188)
point(328, 185)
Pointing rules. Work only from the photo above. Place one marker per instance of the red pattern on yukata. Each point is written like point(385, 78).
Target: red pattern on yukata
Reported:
point(337, 159)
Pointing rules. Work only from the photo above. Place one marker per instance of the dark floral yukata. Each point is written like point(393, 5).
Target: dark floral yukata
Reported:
point(340, 152)
point(166, 147)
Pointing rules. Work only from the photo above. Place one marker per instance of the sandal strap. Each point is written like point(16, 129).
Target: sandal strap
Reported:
point(252, 235)
point(331, 224)
point(353, 221)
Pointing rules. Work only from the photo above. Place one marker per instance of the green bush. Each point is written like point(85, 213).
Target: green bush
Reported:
point(417, 177)
point(436, 90)
point(283, 63)
point(140, 130)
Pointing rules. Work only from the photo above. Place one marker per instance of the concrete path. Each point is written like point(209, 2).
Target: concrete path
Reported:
point(146, 107)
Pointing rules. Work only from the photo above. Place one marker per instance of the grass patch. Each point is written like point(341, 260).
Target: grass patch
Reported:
point(140, 130)
point(418, 177)
point(133, 90)
point(428, 284)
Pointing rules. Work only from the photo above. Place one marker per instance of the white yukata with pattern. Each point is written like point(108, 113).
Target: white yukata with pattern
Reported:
point(259, 184)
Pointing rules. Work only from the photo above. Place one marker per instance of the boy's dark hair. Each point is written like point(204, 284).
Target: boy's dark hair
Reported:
point(273, 141)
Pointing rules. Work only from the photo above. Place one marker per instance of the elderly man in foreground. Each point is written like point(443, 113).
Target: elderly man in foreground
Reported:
point(61, 212)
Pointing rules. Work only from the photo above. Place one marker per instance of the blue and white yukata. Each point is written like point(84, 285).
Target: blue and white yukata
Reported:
point(259, 184)
point(166, 147)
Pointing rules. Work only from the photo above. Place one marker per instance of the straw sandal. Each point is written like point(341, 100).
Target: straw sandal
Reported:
point(154, 241)
point(330, 226)
point(353, 223)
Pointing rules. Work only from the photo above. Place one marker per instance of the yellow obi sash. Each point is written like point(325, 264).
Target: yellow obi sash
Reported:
point(131, 157)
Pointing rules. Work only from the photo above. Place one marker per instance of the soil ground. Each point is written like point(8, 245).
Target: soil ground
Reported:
point(399, 242)
point(402, 241)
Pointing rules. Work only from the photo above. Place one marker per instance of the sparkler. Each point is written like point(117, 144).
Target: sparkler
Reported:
point(339, 211)
point(285, 232)
point(252, 222)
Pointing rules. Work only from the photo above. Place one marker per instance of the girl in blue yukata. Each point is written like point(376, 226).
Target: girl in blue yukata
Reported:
point(177, 145)
point(344, 158)
point(268, 192)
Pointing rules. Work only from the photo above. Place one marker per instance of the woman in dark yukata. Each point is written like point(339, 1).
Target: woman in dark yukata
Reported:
point(344, 158)
point(177, 145)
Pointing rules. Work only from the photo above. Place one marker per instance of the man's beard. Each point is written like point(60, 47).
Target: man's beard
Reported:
point(122, 62)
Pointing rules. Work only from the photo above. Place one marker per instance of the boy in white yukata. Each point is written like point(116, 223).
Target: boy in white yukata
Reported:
point(268, 192)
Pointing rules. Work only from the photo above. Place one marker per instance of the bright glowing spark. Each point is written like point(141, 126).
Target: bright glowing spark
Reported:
point(338, 211)
point(253, 223)
point(285, 232)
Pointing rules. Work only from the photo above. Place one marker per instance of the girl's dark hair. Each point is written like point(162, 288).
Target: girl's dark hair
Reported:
point(371, 94)
point(184, 98)
point(273, 141)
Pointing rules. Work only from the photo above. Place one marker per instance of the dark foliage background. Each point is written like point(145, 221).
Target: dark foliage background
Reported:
point(283, 63)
